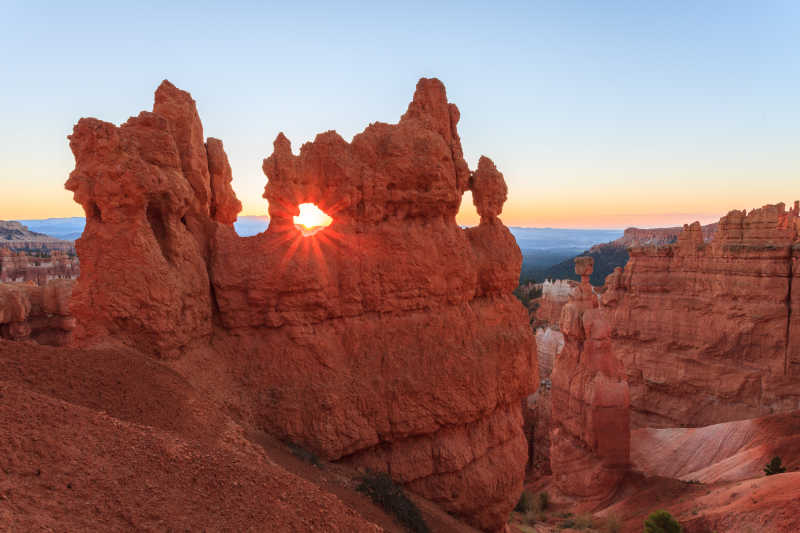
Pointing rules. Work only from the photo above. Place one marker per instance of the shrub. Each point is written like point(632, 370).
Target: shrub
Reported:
point(306, 455)
point(774, 467)
point(661, 522)
point(386, 493)
point(525, 502)
point(542, 501)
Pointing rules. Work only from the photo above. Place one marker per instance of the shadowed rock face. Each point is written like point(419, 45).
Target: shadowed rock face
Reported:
point(389, 340)
point(40, 313)
point(708, 332)
point(590, 436)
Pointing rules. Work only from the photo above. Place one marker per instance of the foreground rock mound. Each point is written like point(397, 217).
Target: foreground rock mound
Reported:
point(389, 340)
point(106, 440)
point(708, 332)
point(590, 436)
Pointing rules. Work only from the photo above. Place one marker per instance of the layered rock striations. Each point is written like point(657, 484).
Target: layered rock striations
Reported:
point(590, 435)
point(708, 332)
point(389, 340)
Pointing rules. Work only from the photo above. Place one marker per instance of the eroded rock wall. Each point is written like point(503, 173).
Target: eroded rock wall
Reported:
point(390, 339)
point(706, 331)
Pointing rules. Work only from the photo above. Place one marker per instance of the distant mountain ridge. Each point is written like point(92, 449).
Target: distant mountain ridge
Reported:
point(16, 236)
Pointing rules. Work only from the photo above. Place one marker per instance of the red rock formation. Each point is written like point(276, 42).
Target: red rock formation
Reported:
point(708, 332)
point(147, 189)
point(549, 305)
point(590, 437)
point(41, 313)
point(20, 267)
point(390, 339)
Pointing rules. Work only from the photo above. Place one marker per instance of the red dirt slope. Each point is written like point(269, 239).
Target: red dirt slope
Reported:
point(731, 451)
point(106, 440)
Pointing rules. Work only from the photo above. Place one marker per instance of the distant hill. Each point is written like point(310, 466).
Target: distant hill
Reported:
point(544, 247)
point(607, 256)
point(16, 236)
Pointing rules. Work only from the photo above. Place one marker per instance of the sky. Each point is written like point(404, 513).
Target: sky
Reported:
point(599, 114)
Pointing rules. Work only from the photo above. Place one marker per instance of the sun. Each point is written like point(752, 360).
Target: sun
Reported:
point(311, 219)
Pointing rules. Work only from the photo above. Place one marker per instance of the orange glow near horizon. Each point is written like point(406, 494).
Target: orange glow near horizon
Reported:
point(311, 219)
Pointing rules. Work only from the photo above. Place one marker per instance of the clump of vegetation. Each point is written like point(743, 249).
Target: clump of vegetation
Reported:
point(542, 501)
point(774, 467)
point(661, 522)
point(525, 502)
point(525, 294)
point(386, 493)
point(306, 455)
point(533, 507)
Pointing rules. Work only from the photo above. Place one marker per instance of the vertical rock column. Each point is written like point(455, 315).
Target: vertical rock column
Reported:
point(590, 438)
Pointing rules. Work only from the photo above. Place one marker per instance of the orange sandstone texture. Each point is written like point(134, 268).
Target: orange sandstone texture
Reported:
point(389, 340)
point(590, 435)
point(710, 332)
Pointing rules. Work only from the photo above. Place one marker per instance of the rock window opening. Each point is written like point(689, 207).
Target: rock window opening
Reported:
point(311, 219)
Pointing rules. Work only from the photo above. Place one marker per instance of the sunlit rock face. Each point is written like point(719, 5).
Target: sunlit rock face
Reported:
point(710, 332)
point(390, 340)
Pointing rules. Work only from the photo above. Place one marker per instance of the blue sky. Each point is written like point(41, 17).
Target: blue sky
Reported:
point(599, 114)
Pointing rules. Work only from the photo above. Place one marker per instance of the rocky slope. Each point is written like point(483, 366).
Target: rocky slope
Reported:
point(730, 451)
point(389, 340)
point(107, 440)
point(706, 331)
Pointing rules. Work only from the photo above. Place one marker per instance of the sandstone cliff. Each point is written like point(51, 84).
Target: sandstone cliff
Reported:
point(389, 340)
point(708, 332)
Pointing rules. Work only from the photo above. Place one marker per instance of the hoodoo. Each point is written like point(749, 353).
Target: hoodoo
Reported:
point(590, 436)
point(390, 340)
